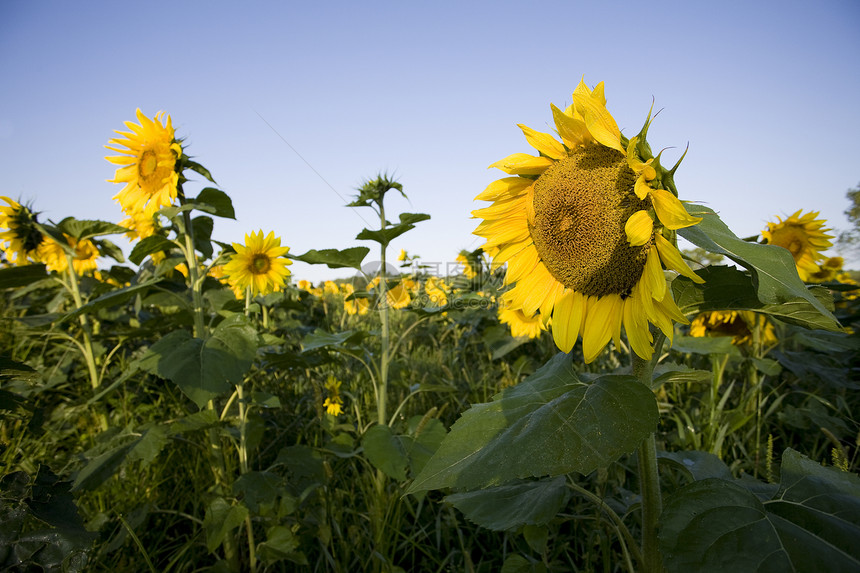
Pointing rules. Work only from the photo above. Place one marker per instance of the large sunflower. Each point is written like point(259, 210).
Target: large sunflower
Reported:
point(804, 236)
point(584, 228)
point(148, 164)
point(258, 264)
point(21, 239)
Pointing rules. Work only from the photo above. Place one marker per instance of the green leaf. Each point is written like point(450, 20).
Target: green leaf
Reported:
point(697, 465)
point(99, 469)
point(386, 451)
point(671, 373)
point(108, 249)
point(773, 270)
point(87, 229)
point(320, 339)
point(727, 288)
point(113, 298)
point(194, 166)
point(385, 236)
point(553, 423)
point(281, 544)
point(333, 258)
point(203, 369)
point(14, 277)
point(705, 345)
point(148, 445)
point(149, 245)
point(516, 563)
point(218, 200)
point(510, 506)
point(811, 523)
point(221, 518)
point(203, 234)
point(256, 488)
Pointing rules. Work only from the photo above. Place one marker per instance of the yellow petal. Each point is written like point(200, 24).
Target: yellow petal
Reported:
point(599, 121)
point(636, 327)
point(599, 324)
point(507, 187)
point(639, 228)
point(500, 209)
point(636, 164)
point(543, 142)
point(566, 319)
point(523, 164)
point(641, 187)
point(672, 259)
point(521, 265)
point(671, 211)
point(571, 130)
point(652, 276)
point(538, 285)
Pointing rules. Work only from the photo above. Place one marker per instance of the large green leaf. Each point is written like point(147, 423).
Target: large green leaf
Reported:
point(110, 299)
point(87, 229)
point(727, 288)
point(773, 270)
point(510, 506)
point(203, 369)
point(149, 245)
point(13, 277)
point(385, 236)
point(219, 202)
point(811, 524)
point(386, 451)
point(334, 259)
point(221, 518)
point(552, 423)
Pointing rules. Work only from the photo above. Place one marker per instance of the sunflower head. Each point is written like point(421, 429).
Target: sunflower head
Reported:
point(739, 324)
point(21, 239)
point(334, 403)
point(258, 264)
point(85, 259)
point(150, 153)
point(804, 236)
point(355, 305)
point(586, 228)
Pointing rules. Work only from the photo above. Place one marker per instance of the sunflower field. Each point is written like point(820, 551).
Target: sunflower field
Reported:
point(580, 393)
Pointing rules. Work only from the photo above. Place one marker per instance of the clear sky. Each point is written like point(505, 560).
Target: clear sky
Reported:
point(765, 93)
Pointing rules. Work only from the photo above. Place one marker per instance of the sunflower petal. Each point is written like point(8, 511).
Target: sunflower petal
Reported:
point(599, 324)
point(672, 259)
point(523, 164)
point(599, 121)
point(671, 211)
point(566, 319)
point(639, 228)
point(571, 130)
point(543, 142)
point(504, 188)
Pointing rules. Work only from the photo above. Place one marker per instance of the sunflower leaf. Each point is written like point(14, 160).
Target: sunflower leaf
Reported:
point(86, 229)
point(388, 234)
point(149, 245)
point(813, 519)
point(773, 271)
point(334, 258)
point(110, 299)
point(108, 248)
point(727, 288)
point(218, 200)
point(13, 277)
point(553, 423)
point(194, 166)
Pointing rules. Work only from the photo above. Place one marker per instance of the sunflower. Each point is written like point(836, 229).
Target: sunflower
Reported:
point(435, 290)
point(140, 225)
point(334, 403)
point(258, 264)
point(21, 239)
point(150, 152)
point(828, 270)
point(739, 324)
point(467, 263)
point(54, 256)
point(521, 325)
point(355, 305)
point(584, 227)
point(804, 237)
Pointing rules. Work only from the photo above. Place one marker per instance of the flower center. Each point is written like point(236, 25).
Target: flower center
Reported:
point(147, 165)
point(260, 264)
point(581, 206)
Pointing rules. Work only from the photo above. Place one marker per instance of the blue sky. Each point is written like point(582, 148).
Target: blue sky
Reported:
point(765, 93)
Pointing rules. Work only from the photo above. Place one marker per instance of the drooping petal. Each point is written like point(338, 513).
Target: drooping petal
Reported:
point(543, 142)
point(599, 324)
point(566, 319)
point(672, 259)
point(670, 210)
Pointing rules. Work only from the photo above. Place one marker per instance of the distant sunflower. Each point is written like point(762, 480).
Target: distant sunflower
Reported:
point(334, 403)
point(804, 237)
point(258, 264)
point(828, 270)
point(584, 227)
point(84, 261)
point(520, 324)
point(739, 324)
point(140, 225)
point(355, 305)
point(150, 152)
point(21, 239)
point(435, 290)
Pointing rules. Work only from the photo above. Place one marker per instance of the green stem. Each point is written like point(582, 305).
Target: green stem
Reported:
point(382, 402)
point(649, 476)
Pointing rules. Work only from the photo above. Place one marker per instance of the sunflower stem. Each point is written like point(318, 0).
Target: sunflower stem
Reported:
point(382, 403)
point(649, 475)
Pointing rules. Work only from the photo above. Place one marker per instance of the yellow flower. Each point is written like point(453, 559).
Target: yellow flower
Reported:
point(468, 269)
point(586, 228)
point(434, 289)
point(305, 285)
point(359, 306)
point(828, 270)
point(330, 287)
point(520, 324)
point(140, 225)
point(21, 239)
point(739, 324)
point(845, 278)
point(334, 403)
point(54, 256)
point(804, 236)
point(402, 256)
point(397, 296)
point(150, 152)
point(258, 264)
